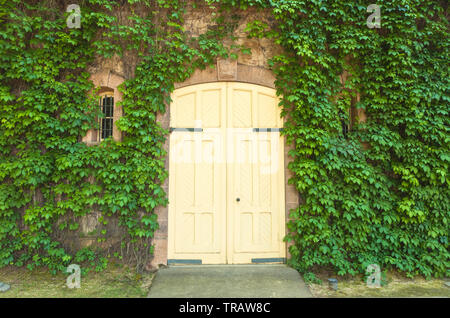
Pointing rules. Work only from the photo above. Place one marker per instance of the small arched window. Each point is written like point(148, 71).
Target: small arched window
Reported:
point(106, 122)
point(109, 99)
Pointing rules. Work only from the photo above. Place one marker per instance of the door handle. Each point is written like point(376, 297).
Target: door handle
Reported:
point(237, 199)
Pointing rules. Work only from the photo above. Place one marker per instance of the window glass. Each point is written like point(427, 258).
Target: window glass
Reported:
point(106, 124)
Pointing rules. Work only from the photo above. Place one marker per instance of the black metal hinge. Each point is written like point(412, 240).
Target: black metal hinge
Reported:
point(269, 260)
point(184, 261)
point(267, 129)
point(186, 129)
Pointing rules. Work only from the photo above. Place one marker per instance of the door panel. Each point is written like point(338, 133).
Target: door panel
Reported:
point(198, 200)
point(252, 106)
point(202, 105)
point(226, 159)
point(197, 175)
point(256, 221)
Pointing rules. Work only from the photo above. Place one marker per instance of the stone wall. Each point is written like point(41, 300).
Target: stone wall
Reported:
point(252, 69)
point(249, 68)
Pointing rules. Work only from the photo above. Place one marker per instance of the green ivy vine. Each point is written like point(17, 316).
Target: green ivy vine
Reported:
point(49, 179)
point(379, 195)
point(387, 203)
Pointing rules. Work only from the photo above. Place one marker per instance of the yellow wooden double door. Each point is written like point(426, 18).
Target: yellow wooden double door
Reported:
point(226, 175)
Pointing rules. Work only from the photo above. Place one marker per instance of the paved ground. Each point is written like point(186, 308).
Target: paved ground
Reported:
point(228, 281)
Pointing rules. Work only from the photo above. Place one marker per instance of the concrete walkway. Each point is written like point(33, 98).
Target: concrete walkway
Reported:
point(228, 281)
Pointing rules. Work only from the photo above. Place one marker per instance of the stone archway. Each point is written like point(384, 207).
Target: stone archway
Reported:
point(230, 71)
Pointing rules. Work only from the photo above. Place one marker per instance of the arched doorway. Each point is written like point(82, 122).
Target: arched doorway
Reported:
point(226, 175)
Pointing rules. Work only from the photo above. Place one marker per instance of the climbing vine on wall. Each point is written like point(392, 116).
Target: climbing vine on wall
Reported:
point(49, 179)
point(379, 195)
